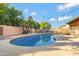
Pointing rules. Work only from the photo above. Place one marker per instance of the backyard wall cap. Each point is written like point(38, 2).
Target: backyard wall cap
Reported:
point(7, 26)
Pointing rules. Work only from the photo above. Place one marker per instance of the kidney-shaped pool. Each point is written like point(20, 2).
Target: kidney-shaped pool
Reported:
point(34, 40)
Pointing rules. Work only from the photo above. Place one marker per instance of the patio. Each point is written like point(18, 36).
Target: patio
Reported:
point(65, 46)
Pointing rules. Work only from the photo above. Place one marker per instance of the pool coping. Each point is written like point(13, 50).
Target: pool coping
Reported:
point(23, 35)
point(30, 34)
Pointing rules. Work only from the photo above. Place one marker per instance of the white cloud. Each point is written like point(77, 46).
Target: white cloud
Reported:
point(33, 13)
point(26, 11)
point(67, 6)
point(64, 18)
point(52, 19)
point(60, 18)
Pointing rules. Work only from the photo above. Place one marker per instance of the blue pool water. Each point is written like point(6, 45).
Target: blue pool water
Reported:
point(34, 40)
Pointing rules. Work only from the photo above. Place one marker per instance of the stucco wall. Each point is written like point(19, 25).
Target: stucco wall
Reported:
point(10, 30)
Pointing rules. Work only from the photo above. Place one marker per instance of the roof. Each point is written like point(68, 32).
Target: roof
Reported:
point(75, 19)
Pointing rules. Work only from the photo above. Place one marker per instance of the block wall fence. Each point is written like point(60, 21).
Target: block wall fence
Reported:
point(10, 30)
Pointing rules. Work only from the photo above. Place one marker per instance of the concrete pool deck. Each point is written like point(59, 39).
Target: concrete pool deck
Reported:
point(65, 46)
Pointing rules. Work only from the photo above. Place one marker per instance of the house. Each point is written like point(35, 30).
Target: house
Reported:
point(65, 29)
point(74, 26)
point(62, 29)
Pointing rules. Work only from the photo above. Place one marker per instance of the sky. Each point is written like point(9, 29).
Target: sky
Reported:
point(57, 14)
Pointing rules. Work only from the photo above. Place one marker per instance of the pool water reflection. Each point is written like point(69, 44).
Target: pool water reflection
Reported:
point(34, 40)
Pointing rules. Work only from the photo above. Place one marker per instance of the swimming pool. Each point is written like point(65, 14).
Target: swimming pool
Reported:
point(34, 40)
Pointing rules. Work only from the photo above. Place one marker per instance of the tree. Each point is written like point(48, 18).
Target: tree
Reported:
point(10, 15)
point(32, 24)
point(14, 16)
point(3, 9)
point(45, 25)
